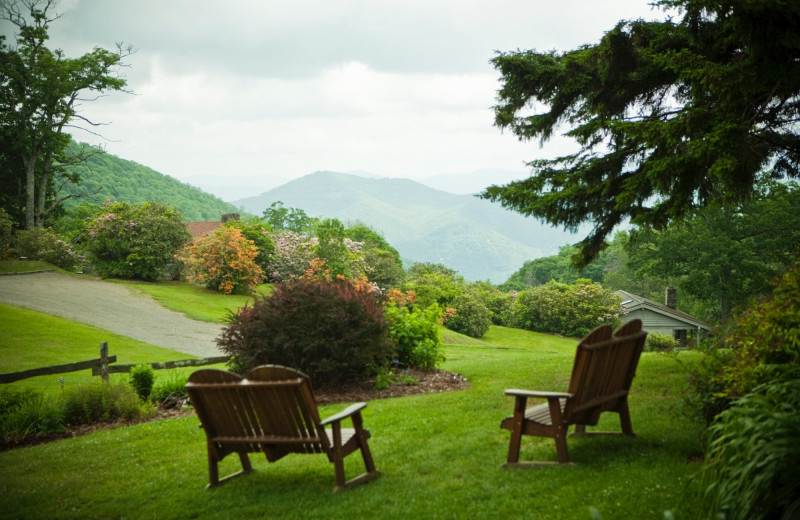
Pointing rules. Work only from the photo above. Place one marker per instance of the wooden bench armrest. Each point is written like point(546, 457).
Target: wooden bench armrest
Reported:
point(543, 395)
point(344, 414)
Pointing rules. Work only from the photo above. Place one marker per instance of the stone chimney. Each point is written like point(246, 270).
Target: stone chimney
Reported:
point(671, 299)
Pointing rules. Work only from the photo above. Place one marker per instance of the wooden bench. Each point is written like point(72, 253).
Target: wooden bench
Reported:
point(272, 410)
point(602, 373)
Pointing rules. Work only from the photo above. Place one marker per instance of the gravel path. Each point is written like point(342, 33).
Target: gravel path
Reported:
point(112, 307)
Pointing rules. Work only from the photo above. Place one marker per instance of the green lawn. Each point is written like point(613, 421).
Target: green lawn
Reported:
point(197, 303)
point(440, 454)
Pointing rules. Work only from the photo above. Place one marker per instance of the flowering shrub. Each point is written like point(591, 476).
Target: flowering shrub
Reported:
point(334, 331)
point(224, 261)
point(45, 244)
point(414, 331)
point(258, 233)
point(570, 310)
point(133, 241)
point(292, 256)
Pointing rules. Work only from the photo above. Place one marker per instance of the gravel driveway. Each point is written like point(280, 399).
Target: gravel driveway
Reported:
point(110, 306)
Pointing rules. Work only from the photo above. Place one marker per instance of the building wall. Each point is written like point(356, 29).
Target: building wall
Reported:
point(655, 322)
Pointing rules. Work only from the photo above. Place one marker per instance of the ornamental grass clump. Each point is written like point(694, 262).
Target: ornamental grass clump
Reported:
point(753, 456)
point(333, 330)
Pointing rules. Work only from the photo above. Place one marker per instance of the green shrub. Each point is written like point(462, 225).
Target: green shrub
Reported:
point(142, 378)
point(471, 317)
point(6, 234)
point(171, 389)
point(745, 354)
point(570, 310)
point(416, 335)
point(659, 342)
point(768, 333)
point(25, 413)
point(334, 331)
point(705, 395)
point(136, 241)
point(752, 468)
point(100, 402)
point(45, 244)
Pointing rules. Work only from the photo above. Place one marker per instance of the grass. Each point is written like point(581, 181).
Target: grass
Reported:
point(26, 266)
point(31, 339)
point(440, 454)
point(197, 303)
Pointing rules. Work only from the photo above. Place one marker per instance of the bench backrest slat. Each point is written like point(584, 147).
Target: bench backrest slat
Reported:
point(602, 373)
point(271, 402)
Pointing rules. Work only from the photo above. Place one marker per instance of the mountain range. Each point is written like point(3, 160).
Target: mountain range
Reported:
point(479, 239)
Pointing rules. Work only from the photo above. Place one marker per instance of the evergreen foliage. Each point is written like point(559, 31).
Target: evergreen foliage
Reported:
point(668, 115)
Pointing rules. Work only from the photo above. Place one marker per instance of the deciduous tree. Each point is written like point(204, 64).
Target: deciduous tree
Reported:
point(40, 90)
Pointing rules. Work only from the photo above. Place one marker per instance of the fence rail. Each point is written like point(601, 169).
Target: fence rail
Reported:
point(102, 366)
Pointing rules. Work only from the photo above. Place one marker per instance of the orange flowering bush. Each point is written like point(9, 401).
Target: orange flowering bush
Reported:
point(224, 261)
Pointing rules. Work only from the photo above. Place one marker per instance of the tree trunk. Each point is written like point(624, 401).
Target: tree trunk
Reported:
point(44, 183)
point(30, 190)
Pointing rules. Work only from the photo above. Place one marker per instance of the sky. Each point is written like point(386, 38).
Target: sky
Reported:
point(264, 91)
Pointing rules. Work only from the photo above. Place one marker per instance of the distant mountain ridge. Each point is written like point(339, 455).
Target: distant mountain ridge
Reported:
point(477, 238)
point(108, 177)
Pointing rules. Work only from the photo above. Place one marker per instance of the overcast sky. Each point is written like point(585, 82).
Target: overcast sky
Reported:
point(280, 89)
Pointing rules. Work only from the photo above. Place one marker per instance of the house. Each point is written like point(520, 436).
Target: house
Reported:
point(664, 319)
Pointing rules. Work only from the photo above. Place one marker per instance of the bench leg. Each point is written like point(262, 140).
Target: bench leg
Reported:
point(561, 448)
point(363, 444)
point(625, 419)
point(213, 470)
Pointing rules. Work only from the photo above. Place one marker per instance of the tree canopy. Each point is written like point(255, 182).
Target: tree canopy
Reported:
point(40, 90)
point(669, 116)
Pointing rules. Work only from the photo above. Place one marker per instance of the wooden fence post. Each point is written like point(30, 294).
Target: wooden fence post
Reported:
point(104, 361)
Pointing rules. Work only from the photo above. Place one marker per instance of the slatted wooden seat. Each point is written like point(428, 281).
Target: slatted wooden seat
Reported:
point(272, 410)
point(602, 374)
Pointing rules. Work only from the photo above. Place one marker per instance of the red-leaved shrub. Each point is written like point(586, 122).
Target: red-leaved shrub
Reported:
point(333, 330)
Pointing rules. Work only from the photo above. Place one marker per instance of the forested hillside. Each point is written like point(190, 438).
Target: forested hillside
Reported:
point(480, 240)
point(107, 177)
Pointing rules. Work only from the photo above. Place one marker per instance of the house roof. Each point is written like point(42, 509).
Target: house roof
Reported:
point(632, 302)
point(200, 229)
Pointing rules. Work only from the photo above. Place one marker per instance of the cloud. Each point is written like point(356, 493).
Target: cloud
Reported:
point(397, 88)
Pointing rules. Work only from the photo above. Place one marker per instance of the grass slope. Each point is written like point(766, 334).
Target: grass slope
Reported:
point(440, 454)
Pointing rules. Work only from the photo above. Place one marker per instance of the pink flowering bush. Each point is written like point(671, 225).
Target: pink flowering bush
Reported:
point(45, 244)
point(136, 241)
point(292, 256)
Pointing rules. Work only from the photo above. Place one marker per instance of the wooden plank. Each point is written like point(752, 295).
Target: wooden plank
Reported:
point(55, 369)
point(116, 369)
